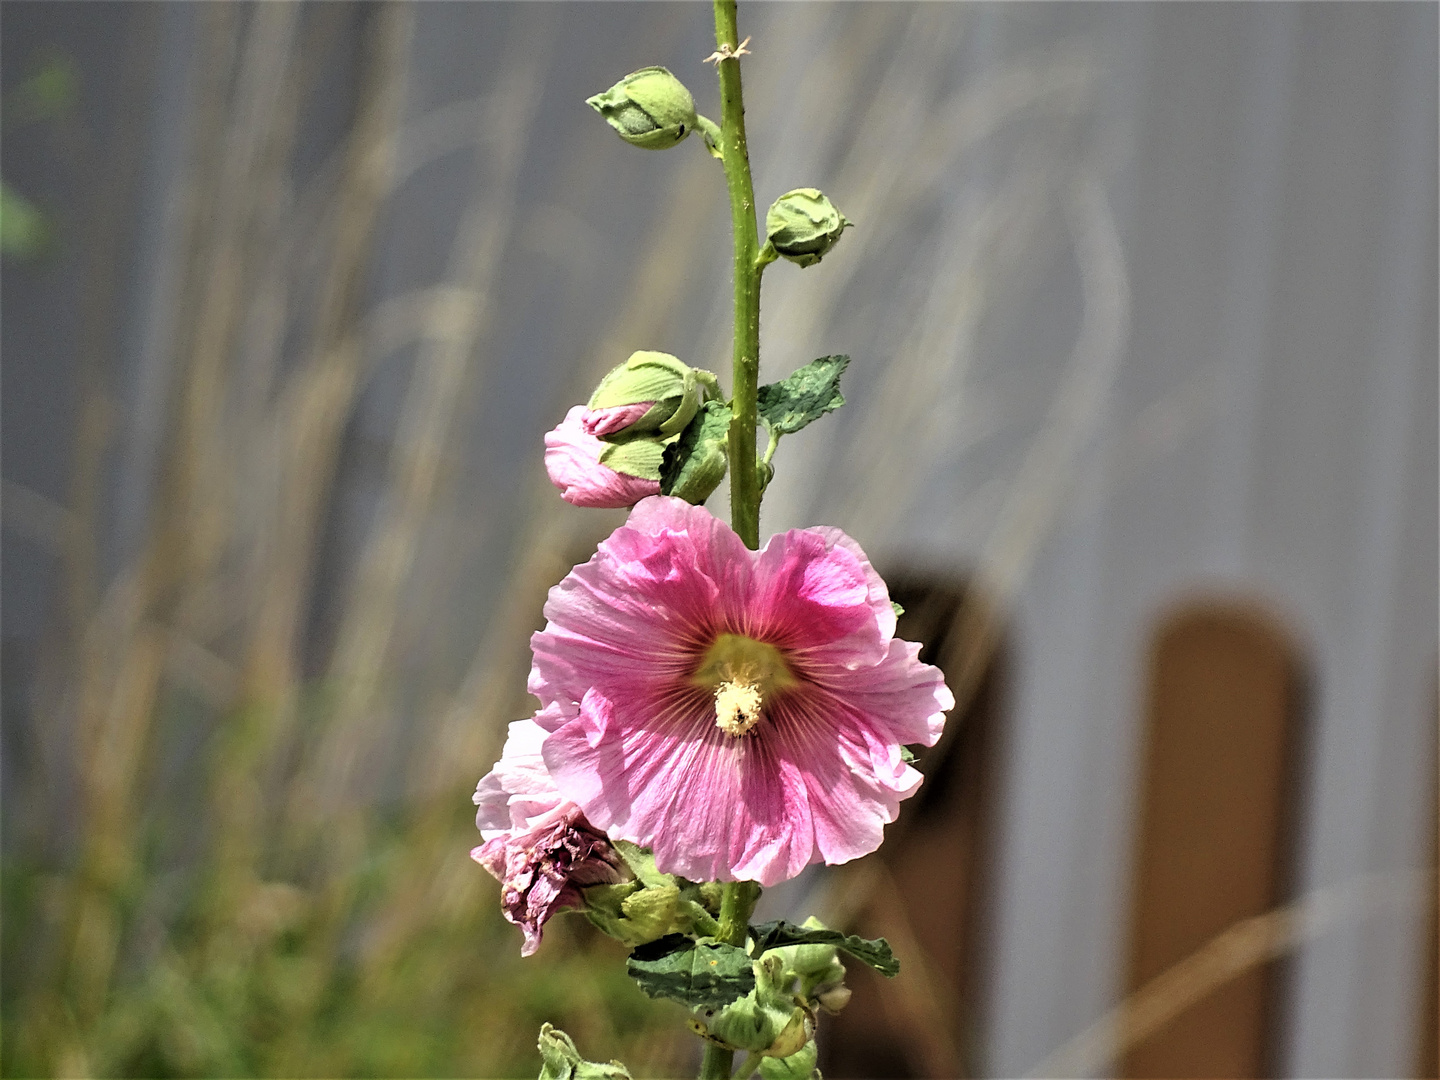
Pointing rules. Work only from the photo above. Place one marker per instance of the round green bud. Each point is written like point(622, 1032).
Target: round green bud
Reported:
point(649, 108)
point(802, 225)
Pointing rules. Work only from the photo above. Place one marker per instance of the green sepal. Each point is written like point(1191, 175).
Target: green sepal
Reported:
point(798, 1066)
point(649, 376)
point(703, 974)
point(560, 1060)
point(674, 389)
point(907, 755)
point(897, 609)
point(649, 108)
point(645, 376)
point(635, 915)
point(695, 463)
point(876, 953)
point(638, 457)
point(642, 864)
point(806, 395)
point(646, 909)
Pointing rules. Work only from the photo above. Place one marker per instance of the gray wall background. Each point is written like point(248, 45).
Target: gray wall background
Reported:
point(1141, 300)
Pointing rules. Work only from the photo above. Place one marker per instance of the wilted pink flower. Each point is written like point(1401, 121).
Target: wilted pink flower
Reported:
point(572, 458)
point(538, 845)
point(616, 418)
point(741, 713)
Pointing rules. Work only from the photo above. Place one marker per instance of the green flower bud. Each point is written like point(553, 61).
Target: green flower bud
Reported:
point(749, 1024)
point(636, 915)
point(798, 1066)
point(832, 998)
point(652, 393)
point(560, 1060)
point(649, 108)
point(802, 225)
point(766, 1021)
point(810, 959)
point(643, 910)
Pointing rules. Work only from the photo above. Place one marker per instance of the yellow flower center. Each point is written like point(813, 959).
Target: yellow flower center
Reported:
point(741, 672)
point(737, 707)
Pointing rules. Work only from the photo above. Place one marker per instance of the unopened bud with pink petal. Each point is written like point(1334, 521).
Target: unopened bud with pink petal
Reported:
point(589, 472)
point(651, 393)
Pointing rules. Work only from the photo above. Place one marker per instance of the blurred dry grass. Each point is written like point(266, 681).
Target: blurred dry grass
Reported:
point(293, 926)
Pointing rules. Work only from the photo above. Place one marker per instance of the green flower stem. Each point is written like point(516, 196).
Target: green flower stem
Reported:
point(744, 483)
point(737, 901)
point(771, 447)
point(716, 1062)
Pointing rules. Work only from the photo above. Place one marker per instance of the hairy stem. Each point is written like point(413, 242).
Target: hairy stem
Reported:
point(744, 483)
point(738, 899)
point(737, 902)
point(716, 1063)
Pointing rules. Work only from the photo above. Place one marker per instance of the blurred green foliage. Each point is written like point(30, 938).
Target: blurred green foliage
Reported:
point(366, 970)
point(50, 92)
point(23, 230)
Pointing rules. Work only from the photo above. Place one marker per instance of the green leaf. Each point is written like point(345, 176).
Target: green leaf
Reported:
point(695, 463)
point(907, 755)
point(700, 974)
point(897, 609)
point(876, 953)
point(808, 394)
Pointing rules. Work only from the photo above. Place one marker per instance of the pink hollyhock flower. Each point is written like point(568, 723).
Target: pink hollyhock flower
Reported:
point(741, 713)
point(572, 458)
point(599, 422)
point(538, 845)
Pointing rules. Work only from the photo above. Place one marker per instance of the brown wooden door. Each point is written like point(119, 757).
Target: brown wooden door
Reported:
point(1222, 700)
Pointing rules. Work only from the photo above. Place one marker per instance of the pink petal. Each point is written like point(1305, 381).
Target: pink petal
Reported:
point(631, 616)
point(519, 788)
point(902, 696)
point(815, 595)
point(599, 422)
point(717, 808)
